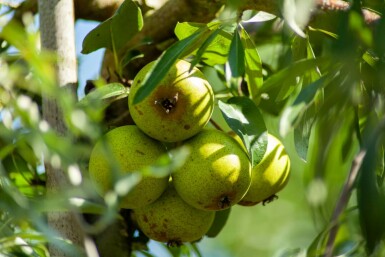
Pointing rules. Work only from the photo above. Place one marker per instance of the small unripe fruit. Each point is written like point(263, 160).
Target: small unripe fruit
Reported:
point(216, 175)
point(178, 108)
point(270, 175)
point(169, 219)
point(132, 150)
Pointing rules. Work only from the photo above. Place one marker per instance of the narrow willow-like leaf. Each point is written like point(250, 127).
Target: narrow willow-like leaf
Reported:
point(245, 119)
point(253, 68)
point(292, 113)
point(296, 69)
point(370, 197)
point(105, 92)
point(236, 56)
point(220, 220)
point(163, 65)
point(203, 48)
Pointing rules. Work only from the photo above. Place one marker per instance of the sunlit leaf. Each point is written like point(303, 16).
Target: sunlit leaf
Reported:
point(244, 118)
point(291, 72)
point(203, 48)
point(292, 114)
point(167, 163)
point(253, 67)
point(112, 90)
point(260, 17)
point(213, 48)
point(297, 14)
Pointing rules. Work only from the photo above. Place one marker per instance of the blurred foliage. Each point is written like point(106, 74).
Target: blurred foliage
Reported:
point(314, 80)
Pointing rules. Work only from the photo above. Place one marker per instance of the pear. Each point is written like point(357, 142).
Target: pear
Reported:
point(178, 108)
point(270, 175)
point(217, 174)
point(132, 150)
point(170, 219)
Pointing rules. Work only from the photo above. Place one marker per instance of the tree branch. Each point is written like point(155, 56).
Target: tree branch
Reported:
point(343, 201)
point(57, 35)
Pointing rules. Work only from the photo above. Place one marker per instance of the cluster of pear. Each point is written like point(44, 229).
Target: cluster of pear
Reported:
point(216, 175)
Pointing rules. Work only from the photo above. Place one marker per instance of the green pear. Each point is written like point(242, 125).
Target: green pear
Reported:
point(132, 150)
point(178, 108)
point(170, 219)
point(270, 175)
point(217, 173)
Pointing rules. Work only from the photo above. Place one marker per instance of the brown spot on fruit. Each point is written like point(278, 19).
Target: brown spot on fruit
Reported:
point(140, 152)
point(145, 219)
point(248, 203)
point(168, 104)
point(174, 243)
point(138, 110)
point(186, 127)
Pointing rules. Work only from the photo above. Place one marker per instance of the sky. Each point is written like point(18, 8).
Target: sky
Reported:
point(88, 65)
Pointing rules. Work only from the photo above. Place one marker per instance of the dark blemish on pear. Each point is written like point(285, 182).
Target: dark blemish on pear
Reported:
point(140, 152)
point(174, 243)
point(269, 199)
point(168, 104)
point(224, 202)
point(186, 127)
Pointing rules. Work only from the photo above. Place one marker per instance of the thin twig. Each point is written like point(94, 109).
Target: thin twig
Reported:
point(216, 125)
point(343, 200)
point(348, 187)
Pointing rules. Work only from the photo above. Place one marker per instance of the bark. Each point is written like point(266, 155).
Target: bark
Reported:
point(57, 35)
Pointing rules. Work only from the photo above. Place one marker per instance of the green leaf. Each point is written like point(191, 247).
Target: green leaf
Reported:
point(126, 22)
point(167, 163)
point(370, 197)
point(186, 29)
point(236, 56)
point(245, 119)
point(220, 220)
point(277, 81)
point(114, 32)
point(99, 37)
point(214, 48)
point(204, 47)
point(163, 65)
point(130, 56)
point(253, 69)
point(113, 90)
point(292, 114)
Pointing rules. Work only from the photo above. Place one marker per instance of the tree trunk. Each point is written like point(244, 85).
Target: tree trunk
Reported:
point(57, 35)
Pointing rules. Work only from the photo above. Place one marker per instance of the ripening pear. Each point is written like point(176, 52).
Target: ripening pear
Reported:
point(131, 150)
point(170, 219)
point(270, 175)
point(178, 108)
point(217, 173)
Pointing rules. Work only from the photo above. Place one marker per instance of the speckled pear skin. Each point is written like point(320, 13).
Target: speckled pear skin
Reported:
point(132, 150)
point(170, 219)
point(217, 174)
point(178, 108)
point(270, 175)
